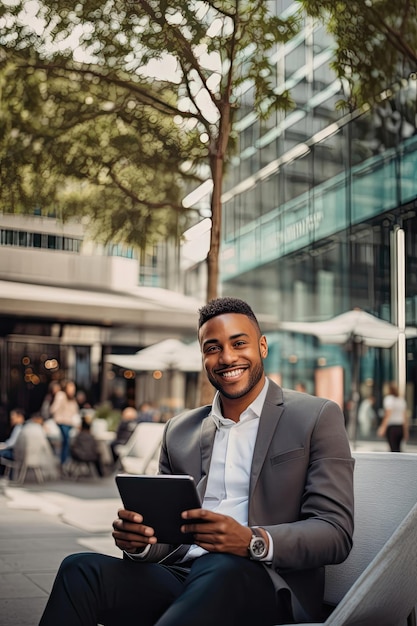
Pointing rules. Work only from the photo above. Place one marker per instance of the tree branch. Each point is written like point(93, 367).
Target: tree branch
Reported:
point(199, 114)
point(220, 10)
point(394, 37)
point(185, 47)
point(150, 205)
point(146, 97)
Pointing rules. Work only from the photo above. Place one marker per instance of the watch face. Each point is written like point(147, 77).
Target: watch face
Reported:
point(257, 548)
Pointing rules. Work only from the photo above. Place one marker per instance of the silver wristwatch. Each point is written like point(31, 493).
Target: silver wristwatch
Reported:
point(257, 548)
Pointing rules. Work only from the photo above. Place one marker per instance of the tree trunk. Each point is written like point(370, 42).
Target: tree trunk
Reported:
point(206, 389)
point(215, 234)
point(217, 172)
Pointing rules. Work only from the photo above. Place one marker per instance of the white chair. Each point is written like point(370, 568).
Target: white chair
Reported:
point(99, 426)
point(377, 584)
point(140, 454)
point(33, 452)
point(76, 469)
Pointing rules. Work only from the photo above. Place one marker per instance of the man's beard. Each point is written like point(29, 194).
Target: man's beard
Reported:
point(254, 377)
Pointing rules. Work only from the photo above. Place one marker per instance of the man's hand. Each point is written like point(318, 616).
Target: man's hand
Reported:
point(216, 532)
point(130, 534)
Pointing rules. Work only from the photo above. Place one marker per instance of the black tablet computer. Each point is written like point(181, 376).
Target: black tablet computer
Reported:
point(160, 499)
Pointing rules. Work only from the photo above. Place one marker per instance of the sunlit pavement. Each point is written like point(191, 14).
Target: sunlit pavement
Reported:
point(41, 524)
point(381, 446)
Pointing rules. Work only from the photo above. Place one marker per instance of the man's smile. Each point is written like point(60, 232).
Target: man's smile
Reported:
point(229, 374)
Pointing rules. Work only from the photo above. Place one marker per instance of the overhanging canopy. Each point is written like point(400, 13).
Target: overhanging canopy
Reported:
point(149, 307)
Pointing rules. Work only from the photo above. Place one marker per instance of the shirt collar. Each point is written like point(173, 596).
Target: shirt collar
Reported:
point(254, 410)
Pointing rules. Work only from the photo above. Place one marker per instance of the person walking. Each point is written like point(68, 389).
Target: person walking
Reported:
point(65, 411)
point(275, 471)
point(394, 425)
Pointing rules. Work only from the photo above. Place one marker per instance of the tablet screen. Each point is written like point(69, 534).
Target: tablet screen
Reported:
point(161, 500)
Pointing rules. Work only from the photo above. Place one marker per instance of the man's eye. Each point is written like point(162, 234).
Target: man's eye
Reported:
point(240, 343)
point(212, 349)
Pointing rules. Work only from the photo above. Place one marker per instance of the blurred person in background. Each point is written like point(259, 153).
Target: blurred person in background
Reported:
point(127, 424)
point(54, 387)
point(300, 386)
point(51, 427)
point(148, 413)
point(33, 448)
point(84, 447)
point(394, 425)
point(17, 419)
point(82, 400)
point(367, 417)
point(66, 413)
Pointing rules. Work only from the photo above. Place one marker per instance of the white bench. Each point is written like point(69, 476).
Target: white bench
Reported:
point(377, 584)
point(141, 453)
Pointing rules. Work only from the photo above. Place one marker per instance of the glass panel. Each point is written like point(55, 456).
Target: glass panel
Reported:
point(295, 60)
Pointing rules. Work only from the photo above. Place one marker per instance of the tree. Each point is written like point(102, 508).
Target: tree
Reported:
point(376, 43)
point(75, 146)
point(213, 48)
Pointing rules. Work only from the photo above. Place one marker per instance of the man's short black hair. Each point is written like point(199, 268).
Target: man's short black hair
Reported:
point(222, 306)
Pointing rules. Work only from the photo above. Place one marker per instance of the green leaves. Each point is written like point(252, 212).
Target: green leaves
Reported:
point(104, 104)
point(376, 43)
point(74, 144)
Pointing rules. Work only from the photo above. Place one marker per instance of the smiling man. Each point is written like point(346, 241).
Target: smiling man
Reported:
point(275, 472)
point(233, 349)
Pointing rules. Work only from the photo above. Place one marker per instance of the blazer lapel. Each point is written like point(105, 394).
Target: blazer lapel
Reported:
point(207, 434)
point(268, 422)
point(271, 414)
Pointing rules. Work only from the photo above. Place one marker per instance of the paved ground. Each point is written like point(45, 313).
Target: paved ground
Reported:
point(40, 524)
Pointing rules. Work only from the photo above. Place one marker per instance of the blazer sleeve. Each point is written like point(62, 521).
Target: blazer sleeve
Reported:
point(322, 534)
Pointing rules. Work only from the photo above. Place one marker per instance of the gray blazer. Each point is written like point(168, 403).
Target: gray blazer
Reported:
point(301, 487)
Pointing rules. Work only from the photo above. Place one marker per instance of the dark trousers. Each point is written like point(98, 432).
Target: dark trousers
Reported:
point(218, 590)
point(395, 435)
point(65, 444)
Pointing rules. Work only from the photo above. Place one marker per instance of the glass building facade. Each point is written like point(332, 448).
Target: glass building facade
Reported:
point(311, 201)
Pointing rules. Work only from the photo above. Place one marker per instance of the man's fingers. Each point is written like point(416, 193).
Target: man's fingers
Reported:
point(132, 539)
point(130, 516)
point(133, 527)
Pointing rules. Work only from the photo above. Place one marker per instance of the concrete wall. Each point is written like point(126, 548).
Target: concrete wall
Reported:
point(42, 224)
point(55, 267)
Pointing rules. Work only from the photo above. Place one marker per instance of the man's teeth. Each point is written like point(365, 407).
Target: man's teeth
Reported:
point(232, 374)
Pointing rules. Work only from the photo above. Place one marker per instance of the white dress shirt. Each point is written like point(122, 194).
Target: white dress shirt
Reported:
point(227, 490)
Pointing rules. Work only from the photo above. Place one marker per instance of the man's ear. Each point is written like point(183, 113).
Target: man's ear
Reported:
point(263, 347)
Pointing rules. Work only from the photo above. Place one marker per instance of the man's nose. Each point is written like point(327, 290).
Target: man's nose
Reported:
point(227, 355)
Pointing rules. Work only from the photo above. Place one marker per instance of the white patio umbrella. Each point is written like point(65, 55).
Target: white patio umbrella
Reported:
point(167, 355)
point(352, 329)
point(356, 325)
